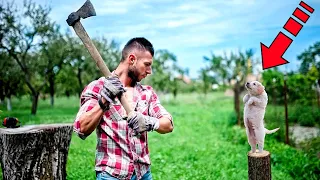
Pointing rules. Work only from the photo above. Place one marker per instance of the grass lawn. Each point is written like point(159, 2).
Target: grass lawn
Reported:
point(203, 144)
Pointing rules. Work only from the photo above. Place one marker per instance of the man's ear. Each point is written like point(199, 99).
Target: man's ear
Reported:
point(132, 58)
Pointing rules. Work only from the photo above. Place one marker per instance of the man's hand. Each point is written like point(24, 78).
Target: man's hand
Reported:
point(141, 123)
point(112, 88)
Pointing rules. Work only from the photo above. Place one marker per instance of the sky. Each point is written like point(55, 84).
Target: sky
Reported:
point(197, 28)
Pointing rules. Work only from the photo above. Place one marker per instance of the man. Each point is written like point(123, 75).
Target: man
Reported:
point(122, 148)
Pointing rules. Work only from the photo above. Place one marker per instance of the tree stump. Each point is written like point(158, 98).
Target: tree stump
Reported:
point(259, 167)
point(35, 152)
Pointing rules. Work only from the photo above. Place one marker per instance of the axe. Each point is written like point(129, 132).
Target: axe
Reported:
point(87, 10)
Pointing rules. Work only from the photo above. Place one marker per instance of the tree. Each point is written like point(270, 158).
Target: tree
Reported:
point(54, 52)
point(204, 76)
point(236, 67)
point(76, 61)
point(310, 62)
point(79, 63)
point(109, 51)
point(177, 76)
point(310, 57)
point(21, 33)
point(10, 79)
point(219, 67)
point(273, 83)
point(165, 72)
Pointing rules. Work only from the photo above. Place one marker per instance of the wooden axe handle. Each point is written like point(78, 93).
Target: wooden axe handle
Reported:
point(81, 32)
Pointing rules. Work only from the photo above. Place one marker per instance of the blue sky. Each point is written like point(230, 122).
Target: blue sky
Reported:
point(193, 29)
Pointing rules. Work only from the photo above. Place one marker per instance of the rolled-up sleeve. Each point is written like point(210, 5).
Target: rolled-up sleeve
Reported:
point(156, 109)
point(89, 99)
point(87, 106)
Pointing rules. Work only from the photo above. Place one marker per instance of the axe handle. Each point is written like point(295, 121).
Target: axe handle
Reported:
point(81, 32)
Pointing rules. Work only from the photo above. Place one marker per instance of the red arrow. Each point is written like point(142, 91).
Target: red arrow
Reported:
point(272, 56)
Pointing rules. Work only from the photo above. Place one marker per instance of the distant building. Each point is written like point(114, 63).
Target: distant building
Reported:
point(185, 79)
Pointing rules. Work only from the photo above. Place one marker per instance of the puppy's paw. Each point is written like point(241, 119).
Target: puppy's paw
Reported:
point(246, 98)
point(250, 101)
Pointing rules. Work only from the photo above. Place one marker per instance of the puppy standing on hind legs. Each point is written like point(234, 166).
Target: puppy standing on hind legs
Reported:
point(254, 109)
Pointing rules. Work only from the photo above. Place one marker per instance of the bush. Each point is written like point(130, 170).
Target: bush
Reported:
point(232, 118)
point(306, 119)
point(293, 114)
point(317, 116)
point(312, 147)
point(304, 115)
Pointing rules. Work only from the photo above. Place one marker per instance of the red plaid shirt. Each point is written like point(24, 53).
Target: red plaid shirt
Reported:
point(118, 152)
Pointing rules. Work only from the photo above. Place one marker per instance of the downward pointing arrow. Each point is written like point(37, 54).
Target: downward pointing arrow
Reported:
point(272, 56)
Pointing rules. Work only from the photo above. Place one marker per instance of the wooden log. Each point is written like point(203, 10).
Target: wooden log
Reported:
point(35, 152)
point(259, 167)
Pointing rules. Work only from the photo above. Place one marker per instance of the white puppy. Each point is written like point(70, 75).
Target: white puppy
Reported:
point(254, 109)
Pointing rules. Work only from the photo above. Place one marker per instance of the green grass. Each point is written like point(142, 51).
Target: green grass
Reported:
point(203, 144)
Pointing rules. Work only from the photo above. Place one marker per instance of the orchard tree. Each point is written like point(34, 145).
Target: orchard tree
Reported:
point(273, 83)
point(310, 57)
point(165, 72)
point(54, 52)
point(235, 66)
point(10, 79)
point(80, 64)
point(206, 82)
point(21, 34)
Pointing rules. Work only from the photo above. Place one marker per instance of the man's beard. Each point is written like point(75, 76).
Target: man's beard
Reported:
point(134, 75)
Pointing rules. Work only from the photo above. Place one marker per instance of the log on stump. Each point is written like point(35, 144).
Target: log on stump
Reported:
point(35, 152)
point(259, 167)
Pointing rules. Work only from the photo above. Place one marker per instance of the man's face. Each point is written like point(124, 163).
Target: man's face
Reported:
point(140, 65)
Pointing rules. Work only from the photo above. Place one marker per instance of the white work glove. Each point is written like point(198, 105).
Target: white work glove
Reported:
point(112, 88)
point(141, 123)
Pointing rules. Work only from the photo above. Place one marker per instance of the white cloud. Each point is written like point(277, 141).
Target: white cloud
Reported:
point(186, 21)
point(115, 7)
point(190, 29)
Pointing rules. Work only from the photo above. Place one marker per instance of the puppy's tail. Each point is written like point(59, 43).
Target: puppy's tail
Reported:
point(270, 131)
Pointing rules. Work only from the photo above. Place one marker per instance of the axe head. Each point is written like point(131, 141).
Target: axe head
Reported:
point(85, 11)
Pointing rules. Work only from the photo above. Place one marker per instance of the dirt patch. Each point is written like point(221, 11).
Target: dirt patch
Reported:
point(229, 93)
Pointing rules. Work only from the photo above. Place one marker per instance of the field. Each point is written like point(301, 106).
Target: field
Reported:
point(203, 144)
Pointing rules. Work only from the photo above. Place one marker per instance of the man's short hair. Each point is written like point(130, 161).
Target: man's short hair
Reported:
point(139, 43)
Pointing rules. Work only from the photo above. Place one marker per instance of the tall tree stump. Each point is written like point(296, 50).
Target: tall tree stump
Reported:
point(35, 152)
point(259, 167)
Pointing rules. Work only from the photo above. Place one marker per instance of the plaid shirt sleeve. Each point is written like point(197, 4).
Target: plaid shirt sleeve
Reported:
point(156, 109)
point(89, 99)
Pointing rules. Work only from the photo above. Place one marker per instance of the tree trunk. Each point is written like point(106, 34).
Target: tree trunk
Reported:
point(2, 94)
point(9, 106)
point(175, 93)
point(34, 107)
point(287, 141)
point(259, 167)
point(237, 102)
point(52, 99)
point(80, 82)
point(1, 99)
point(318, 96)
point(318, 93)
point(51, 87)
point(274, 96)
point(35, 152)
point(67, 94)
